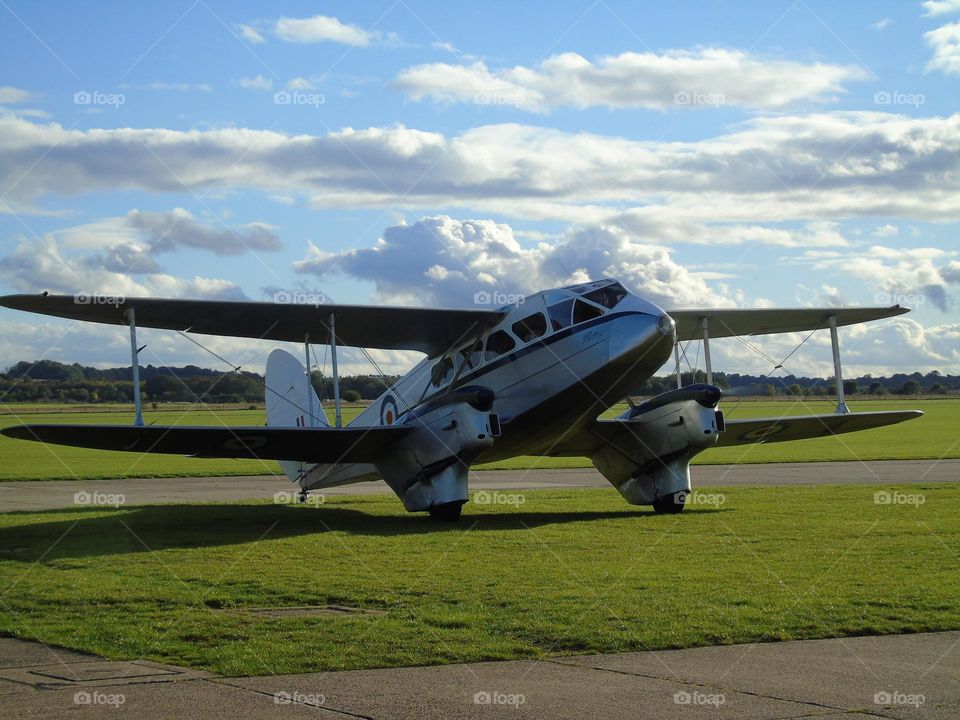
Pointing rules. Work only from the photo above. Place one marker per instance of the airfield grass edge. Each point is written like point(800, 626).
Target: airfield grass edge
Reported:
point(562, 572)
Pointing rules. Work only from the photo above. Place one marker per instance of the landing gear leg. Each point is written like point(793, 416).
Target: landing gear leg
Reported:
point(302, 497)
point(670, 504)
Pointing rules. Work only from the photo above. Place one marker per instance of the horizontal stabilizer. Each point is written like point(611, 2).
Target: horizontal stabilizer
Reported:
point(801, 427)
point(315, 445)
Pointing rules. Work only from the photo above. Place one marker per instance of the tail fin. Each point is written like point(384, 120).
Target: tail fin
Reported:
point(291, 402)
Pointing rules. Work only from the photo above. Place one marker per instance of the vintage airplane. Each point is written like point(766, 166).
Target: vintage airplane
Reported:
point(531, 378)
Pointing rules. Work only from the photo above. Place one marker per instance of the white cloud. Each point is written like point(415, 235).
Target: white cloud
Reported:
point(251, 35)
point(781, 180)
point(10, 95)
point(256, 83)
point(881, 24)
point(323, 28)
point(707, 77)
point(945, 42)
point(300, 83)
point(900, 276)
point(934, 8)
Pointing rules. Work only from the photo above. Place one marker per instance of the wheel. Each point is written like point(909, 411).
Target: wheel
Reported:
point(446, 512)
point(670, 504)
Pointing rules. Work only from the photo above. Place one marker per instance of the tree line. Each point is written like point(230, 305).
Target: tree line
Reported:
point(52, 381)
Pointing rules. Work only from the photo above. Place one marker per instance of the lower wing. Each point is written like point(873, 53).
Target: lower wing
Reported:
point(801, 427)
point(314, 445)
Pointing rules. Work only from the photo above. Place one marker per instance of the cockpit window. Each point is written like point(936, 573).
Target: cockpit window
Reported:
point(585, 311)
point(530, 328)
point(560, 314)
point(498, 344)
point(607, 296)
point(442, 372)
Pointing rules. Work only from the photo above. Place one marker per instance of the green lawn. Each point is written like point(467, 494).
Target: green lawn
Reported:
point(935, 435)
point(565, 572)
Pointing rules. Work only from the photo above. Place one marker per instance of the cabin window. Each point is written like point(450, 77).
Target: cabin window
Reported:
point(442, 372)
point(607, 296)
point(470, 357)
point(530, 328)
point(560, 314)
point(498, 344)
point(585, 311)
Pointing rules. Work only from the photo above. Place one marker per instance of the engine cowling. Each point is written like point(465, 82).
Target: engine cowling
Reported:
point(663, 434)
point(430, 466)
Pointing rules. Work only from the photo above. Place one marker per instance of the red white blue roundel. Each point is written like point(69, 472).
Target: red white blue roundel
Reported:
point(388, 411)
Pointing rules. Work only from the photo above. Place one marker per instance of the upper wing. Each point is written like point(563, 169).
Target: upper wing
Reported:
point(314, 445)
point(764, 321)
point(801, 427)
point(428, 330)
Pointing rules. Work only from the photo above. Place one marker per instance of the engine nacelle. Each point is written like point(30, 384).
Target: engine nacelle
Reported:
point(665, 433)
point(429, 466)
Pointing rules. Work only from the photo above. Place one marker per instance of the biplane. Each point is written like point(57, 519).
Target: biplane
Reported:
point(530, 378)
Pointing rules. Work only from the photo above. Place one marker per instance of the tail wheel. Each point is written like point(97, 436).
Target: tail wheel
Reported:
point(670, 504)
point(446, 512)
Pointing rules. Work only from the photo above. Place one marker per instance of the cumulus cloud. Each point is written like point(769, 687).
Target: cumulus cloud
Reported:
point(933, 8)
point(708, 77)
point(444, 261)
point(904, 276)
point(119, 255)
point(10, 95)
point(771, 169)
point(315, 29)
point(945, 43)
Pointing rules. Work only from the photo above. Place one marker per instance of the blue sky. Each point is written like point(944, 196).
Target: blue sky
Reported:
point(706, 153)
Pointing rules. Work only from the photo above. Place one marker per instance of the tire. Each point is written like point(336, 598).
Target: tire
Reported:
point(446, 512)
point(670, 504)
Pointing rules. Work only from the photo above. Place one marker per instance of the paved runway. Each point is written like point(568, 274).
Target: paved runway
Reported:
point(900, 676)
point(138, 491)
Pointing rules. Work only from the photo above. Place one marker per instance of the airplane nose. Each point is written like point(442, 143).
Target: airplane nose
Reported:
point(641, 334)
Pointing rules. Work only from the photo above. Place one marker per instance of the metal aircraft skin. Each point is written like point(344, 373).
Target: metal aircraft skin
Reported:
point(531, 378)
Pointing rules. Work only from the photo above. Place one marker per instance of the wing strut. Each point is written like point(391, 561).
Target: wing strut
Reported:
point(336, 376)
point(706, 350)
point(135, 368)
point(842, 408)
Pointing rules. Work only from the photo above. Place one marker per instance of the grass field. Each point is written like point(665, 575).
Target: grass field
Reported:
point(936, 435)
point(565, 572)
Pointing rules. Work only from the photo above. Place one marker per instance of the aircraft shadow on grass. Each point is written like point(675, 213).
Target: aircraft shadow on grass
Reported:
point(151, 528)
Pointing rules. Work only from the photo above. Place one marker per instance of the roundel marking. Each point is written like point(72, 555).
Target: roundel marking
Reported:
point(764, 432)
point(388, 410)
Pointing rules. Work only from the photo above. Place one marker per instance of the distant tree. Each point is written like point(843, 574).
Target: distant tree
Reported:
point(938, 389)
point(351, 395)
point(910, 387)
point(849, 387)
point(795, 389)
point(769, 390)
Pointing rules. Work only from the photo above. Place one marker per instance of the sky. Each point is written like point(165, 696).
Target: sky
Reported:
point(707, 154)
